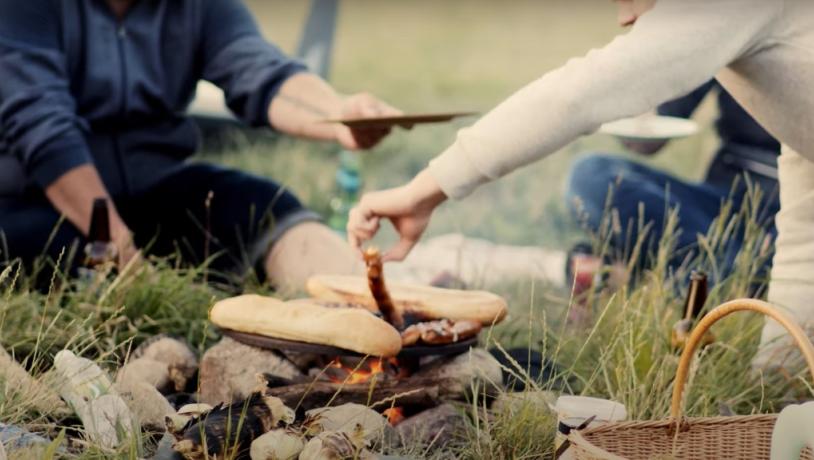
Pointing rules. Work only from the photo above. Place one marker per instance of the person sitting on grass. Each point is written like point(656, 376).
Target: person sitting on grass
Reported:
point(93, 97)
point(746, 149)
point(761, 51)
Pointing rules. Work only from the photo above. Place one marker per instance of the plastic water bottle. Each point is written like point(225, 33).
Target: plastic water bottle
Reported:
point(348, 185)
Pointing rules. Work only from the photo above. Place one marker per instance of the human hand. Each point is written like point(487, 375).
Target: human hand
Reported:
point(408, 208)
point(128, 254)
point(643, 147)
point(363, 105)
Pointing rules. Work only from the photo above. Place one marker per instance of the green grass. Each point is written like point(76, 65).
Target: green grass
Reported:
point(439, 56)
point(624, 355)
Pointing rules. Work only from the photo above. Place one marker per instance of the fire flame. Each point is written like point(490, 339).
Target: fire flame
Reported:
point(360, 374)
point(395, 415)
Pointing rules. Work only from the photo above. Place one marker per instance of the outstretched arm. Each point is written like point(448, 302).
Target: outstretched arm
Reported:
point(672, 49)
point(305, 101)
point(264, 87)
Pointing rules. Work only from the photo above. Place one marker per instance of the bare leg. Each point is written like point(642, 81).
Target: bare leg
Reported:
point(308, 249)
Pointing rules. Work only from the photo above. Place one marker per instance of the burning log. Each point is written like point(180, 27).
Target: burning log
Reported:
point(227, 431)
point(423, 392)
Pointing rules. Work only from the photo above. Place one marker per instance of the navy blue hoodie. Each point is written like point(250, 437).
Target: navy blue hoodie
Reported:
point(78, 86)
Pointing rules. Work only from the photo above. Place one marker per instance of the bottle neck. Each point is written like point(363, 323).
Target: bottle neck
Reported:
point(696, 295)
point(99, 222)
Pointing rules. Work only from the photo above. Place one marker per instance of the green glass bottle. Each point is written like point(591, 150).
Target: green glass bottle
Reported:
point(348, 186)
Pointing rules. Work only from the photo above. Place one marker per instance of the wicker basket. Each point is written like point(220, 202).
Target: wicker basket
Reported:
point(738, 437)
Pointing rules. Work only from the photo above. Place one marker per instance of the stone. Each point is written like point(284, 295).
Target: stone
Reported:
point(179, 358)
point(229, 370)
point(88, 390)
point(145, 402)
point(147, 370)
point(277, 445)
point(361, 424)
point(332, 445)
point(17, 381)
point(438, 427)
point(476, 370)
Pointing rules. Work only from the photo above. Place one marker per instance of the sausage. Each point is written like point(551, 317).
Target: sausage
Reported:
point(440, 332)
point(375, 280)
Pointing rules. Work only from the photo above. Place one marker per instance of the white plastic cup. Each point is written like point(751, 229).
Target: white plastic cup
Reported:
point(573, 411)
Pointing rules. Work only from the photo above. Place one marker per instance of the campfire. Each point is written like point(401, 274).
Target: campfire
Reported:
point(352, 371)
point(355, 344)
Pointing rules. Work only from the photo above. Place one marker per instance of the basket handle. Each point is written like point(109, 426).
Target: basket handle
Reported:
point(719, 312)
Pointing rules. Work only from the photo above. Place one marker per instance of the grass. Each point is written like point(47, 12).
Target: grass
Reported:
point(625, 354)
point(439, 56)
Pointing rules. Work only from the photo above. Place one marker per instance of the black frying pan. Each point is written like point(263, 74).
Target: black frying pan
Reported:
point(262, 341)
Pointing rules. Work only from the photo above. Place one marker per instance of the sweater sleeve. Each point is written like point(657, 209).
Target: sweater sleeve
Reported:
point(38, 121)
point(672, 49)
point(237, 58)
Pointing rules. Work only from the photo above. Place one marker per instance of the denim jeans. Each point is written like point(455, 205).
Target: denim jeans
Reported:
point(246, 214)
point(634, 184)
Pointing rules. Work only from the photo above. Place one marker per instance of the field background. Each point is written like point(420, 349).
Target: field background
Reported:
point(425, 55)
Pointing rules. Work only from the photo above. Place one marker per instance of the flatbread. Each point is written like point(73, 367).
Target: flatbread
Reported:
point(425, 301)
point(353, 329)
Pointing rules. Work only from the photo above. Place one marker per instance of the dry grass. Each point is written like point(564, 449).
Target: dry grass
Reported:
point(437, 56)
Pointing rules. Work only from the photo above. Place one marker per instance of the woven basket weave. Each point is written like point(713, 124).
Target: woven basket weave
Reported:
point(739, 437)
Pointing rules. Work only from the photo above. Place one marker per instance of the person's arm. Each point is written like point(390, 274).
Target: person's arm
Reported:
point(305, 101)
point(73, 194)
point(263, 87)
point(672, 49)
point(38, 122)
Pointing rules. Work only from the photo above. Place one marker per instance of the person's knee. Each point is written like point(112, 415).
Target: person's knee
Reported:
point(308, 249)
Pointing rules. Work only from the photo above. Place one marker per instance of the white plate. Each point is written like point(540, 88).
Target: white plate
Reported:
point(650, 128)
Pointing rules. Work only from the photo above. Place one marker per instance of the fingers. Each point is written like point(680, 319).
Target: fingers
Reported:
point(362, 225)
point(368, 106)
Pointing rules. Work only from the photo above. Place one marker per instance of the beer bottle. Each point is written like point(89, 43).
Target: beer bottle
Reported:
point(100, 249)
point(693, 305)
point(696, 295)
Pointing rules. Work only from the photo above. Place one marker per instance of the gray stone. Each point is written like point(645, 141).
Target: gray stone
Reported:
point(229, 370)
point(438, 426)
point(475, 370)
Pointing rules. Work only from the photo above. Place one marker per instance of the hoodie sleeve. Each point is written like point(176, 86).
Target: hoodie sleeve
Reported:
point(671, 50)
point(38, 121)
point(237, 58)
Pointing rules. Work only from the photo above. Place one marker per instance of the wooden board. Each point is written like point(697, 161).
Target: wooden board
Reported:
point(405, 121)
